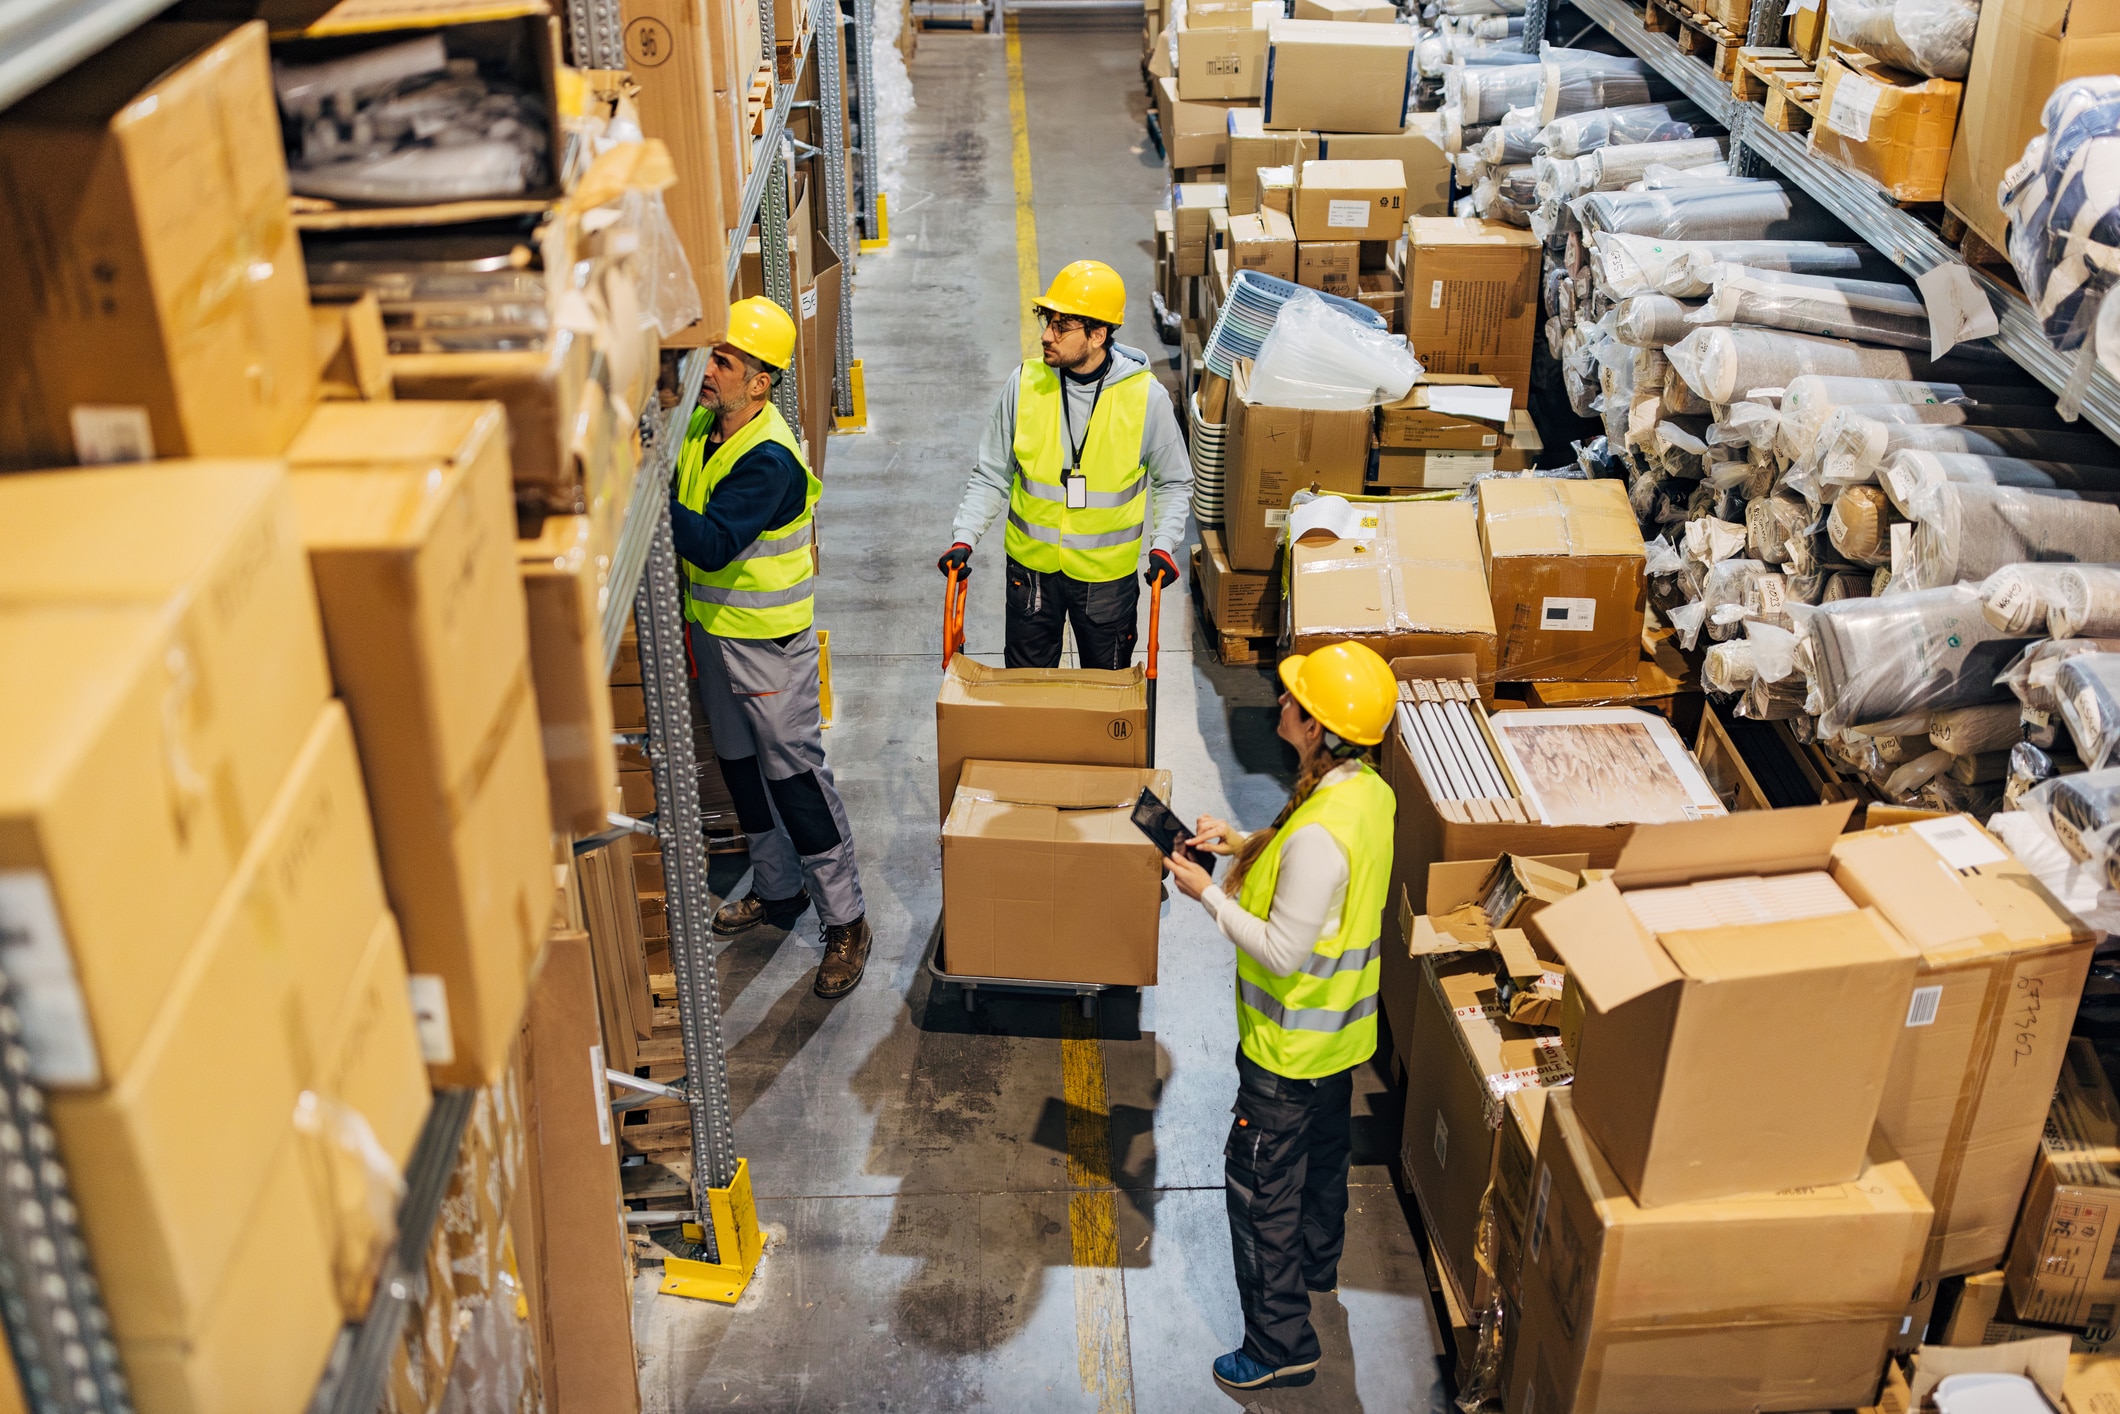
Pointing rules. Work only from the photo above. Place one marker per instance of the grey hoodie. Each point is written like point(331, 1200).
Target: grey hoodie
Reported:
point(1162, 452)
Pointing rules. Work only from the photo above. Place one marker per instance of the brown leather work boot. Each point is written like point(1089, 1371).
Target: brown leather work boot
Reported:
point(740, 915)
point(846, 955)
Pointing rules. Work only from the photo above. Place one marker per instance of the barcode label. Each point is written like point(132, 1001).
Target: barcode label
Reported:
point(1567, 615)
point(111, 434)
point(1538, 1210)
point(1921, 1011)
point(1961, 843)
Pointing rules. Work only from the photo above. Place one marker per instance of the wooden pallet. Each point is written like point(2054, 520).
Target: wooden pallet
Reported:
point(1696, 33)
point(1231, 650)
point(1784, 84)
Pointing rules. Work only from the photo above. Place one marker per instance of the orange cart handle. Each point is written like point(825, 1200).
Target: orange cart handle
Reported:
point(1155, 627)
point(954, 597)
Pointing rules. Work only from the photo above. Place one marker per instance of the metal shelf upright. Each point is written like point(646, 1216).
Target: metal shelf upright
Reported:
point(1896, 233)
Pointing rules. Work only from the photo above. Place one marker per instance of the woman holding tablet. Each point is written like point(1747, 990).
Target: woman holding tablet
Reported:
point(1304, 904)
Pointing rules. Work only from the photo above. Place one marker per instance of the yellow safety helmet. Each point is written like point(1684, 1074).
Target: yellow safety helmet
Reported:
point(763, 330)
point(1346, 688)
point(1089, 288)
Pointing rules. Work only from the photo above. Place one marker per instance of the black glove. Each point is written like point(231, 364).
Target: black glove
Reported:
point(1162, 569)
point(958, 559)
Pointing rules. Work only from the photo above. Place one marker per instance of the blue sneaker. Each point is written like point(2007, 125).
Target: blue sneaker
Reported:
point(1240, 1371)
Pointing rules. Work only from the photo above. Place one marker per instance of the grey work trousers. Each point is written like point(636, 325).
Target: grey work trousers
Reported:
point(761, 698)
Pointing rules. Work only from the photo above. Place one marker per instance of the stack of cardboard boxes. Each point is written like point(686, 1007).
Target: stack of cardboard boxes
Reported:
point(1806, 1074)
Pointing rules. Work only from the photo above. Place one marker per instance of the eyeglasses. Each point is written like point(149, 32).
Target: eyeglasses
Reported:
point(1058, 323)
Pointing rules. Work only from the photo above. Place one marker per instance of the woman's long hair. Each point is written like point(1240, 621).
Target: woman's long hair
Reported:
point(1314, 770)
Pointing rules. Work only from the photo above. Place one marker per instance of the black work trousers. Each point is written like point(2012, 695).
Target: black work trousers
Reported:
point(1040, 604)
point(1285, 1172)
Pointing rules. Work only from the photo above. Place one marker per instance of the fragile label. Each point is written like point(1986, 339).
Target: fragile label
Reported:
point(1354, 214)
point(429, 993)
point(47, 995)
point(1962, 844)
point(601, 1088)
point(111, 434)
point(1567, 615)
point(1927, 1001)
point(1854, 104)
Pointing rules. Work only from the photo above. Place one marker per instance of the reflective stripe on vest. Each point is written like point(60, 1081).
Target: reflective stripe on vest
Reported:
point(1102, 540)
point(765, 591)
point(1321, 1018)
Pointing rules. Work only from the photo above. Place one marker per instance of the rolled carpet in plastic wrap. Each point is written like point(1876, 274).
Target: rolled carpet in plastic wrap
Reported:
point(2086, 602)
point(1968, 531)
point(1575, 86)
point(1876, 660)
point(1910, 474)
point(1845, 584)
point(1728, 667)
point(1578, 133)
point(1772, 523)
point(1972, 731)
point(2020, 598)
point(1741, 211)
point(1651, 321)
point(1724, 364)
point(2064, 237)
point(1873, 311)
point(1931, 37)
point(2087, 689)
point(1642, 264)
point(1854, 446)
point(2080, 806)
point(1860, 525)
point(1809, 399)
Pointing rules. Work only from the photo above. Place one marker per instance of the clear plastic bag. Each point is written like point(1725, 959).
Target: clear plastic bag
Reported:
point(2087, 690)
point(1613, 168)
point(1318, 357)
point(1579, 133)
point(1651, 321)
point(1809, 399)
point(2030, 676)
point(2060, 203)
point(1855, 447)
point(1931, 37)
point(1869, 310)
point(2085, 602)
point(1875, 660)
point(1975, 731)
point(1728, 667)
point(1772, 523)
point(1968, 531)
point(1722, 364)
point(1748, 211)
point(1859, 525)
point(2020, 599)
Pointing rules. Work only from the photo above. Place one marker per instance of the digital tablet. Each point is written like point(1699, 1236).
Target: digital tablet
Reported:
point(1163, 827)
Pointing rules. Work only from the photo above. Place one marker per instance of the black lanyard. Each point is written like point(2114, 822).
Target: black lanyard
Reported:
point(1074, 448)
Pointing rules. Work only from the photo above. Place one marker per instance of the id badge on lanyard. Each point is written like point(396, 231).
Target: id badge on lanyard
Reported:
point(1077, 488)
point(1072, 482)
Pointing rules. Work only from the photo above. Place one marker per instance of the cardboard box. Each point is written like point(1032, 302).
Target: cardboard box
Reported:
point(1195, 133)
point(1331, 266)
point(1277, 190)
point(2061, 1269)
point(1807, 30)
point(562, 583)
point(1085, 716)
point(410, 525)
point(582, 1297)
point(1472, 297)
point(1566, 568)
point(1799, 1014)
point(263, 1337)
point(1399, 472)
point(1466, 412)
point(1272, 453)
point(370, 1066)
point(215, 545)
point(2022, 52)
point(1239, 601)
point(1192, 205)
point(1338, 78)
point(2001, 971)
point(1252, 147)
point(1771, 1300)
point(1351, 200)
point(1413, 590)
point(156, 285)
point(1464, 1061)
point(1219, 62)
point(543, 392)
point(1264, 241)
point(1359, 11)
point(1893, 127)
point(1380, 292)
point(352, 353)
point(1421, 148)
point(1020, 843)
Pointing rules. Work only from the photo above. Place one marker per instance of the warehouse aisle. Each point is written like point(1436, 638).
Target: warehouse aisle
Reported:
point(948, 1233)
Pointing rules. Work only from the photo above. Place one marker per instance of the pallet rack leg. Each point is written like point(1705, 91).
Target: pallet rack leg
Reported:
point(874, 226)
point(831, 108)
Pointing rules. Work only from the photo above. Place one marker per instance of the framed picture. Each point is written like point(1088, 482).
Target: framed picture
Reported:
point(1603, 766)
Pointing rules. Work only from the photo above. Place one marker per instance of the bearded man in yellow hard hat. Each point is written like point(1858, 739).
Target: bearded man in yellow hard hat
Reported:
point(740, 514)
point(1085, 456)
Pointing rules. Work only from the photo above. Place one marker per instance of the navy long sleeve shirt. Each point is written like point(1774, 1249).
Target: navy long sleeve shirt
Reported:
point(763, 491)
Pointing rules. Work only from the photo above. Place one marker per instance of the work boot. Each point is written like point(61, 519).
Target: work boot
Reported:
point(846, 955)
point(1239, 1371)
point(740, 915)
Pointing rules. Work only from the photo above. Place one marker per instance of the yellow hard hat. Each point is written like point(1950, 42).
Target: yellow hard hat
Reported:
point(763, 330)
point(1089, 288)
point(1346, 687)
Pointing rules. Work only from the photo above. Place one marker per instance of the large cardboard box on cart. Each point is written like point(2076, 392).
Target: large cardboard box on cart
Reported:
point(1045, 876)
point(1065, 716)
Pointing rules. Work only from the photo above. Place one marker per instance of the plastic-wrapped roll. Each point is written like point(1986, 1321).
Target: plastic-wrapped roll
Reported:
point(1870, 310)
point(1737, 590)
point(2086, 602)
point(1968, 531)
point(1722, 364)
point(2079, 806)
point(1728, 667)
point(2021, 598)
point(1578, 133)
point(1976, 731)
point(1498, 27)
point(1486, 94)
point(1860, 525)
point(1910, 474)
point(1932, 37)
point(1845, 584)
point(1807, 402)
point(1771, 523)
point(1657, 177)
point(1855, 446)
point(1747, 211)
point(2087, 687)
point(1510, 144)
point(1874, 660)
point(1574, 87)
point(1651, 321)
point(1612, 168)
point(1773, 701)
point(1691, 273)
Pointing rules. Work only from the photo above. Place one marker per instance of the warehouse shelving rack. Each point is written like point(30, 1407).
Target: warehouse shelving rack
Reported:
point(1897, 234)
point(51, 1304)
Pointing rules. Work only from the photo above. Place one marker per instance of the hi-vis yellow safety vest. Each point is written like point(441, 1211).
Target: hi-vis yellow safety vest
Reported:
point(765, 592)
point(1102, 541)
point(1323, 1018)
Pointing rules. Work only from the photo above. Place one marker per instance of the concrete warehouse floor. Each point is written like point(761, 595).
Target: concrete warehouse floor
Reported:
point(911, 1159)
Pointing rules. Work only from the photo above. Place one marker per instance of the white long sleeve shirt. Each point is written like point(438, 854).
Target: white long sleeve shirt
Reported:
point(1308, 896)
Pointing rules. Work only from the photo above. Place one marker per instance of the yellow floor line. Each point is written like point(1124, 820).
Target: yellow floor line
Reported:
point(1101, 1348)
point(1019, 128)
